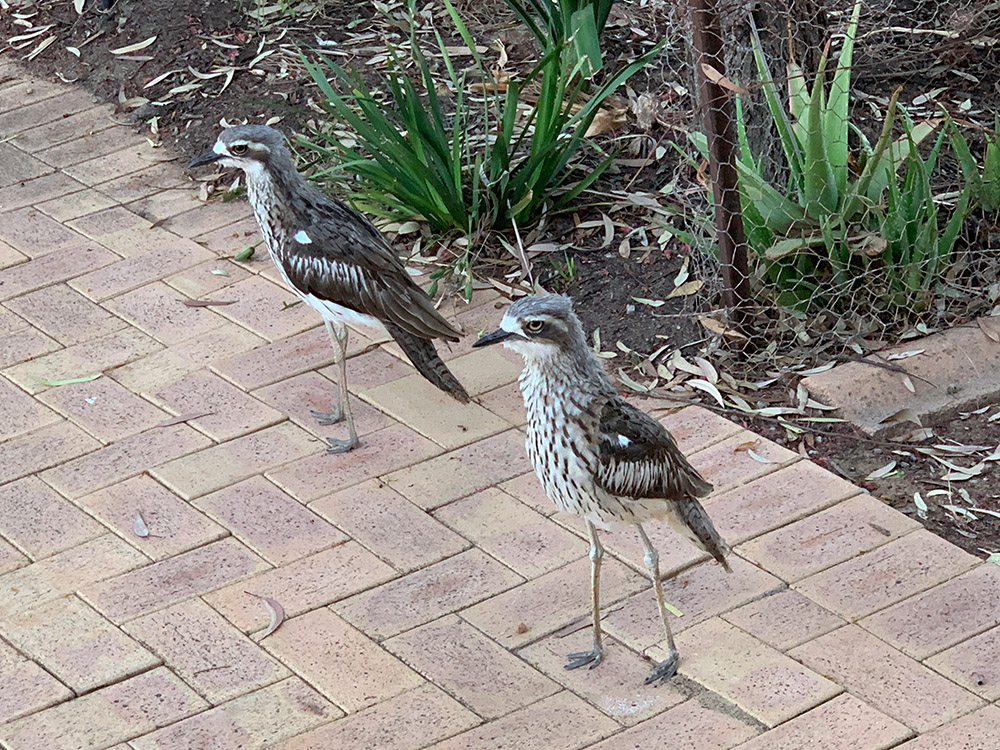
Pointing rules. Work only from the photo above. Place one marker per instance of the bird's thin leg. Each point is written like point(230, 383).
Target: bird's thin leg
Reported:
point(593, 657)
point(342, 446)
point(334, 415)
point(668, 667)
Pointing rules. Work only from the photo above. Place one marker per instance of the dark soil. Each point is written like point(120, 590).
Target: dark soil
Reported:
point(847, 452)
point(187, 33)
point(856, 460)
point(610, 284)
point(209, 36)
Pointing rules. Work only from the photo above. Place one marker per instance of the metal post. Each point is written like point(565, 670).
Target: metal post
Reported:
point(720, 131)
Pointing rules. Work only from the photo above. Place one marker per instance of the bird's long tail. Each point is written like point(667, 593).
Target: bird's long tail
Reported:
point(703, 531)
point(424, 356)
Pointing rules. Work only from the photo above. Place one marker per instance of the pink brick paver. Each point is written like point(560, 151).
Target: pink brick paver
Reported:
point(618, 690)
point(689, 726)
point(887, 679)
point(458, 658)
point(340, 661)
point(430, 590)
point(768, 685)
point(409, 721)
point(77, 644)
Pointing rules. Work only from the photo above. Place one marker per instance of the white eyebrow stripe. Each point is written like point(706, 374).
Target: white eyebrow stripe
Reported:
point(302, 238)
point(219, 148)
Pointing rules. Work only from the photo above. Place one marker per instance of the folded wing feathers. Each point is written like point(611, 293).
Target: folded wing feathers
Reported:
point(647, 463)
point(381, 289)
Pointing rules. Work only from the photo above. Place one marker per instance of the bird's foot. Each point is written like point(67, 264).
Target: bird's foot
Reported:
point(327, 418)
point(589, 659)
point(342, 446)
point(665, 669)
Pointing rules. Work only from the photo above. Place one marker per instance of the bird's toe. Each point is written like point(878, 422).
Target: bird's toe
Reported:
point(327, 418)
point(666, 669)
point(589, 659)
point(341, 446)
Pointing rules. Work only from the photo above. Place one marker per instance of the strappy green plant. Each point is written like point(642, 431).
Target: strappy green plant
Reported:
point(573, 25)
point(467, 164)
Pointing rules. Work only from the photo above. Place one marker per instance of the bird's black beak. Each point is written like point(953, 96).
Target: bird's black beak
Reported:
point(493, 338)
point(204, 159)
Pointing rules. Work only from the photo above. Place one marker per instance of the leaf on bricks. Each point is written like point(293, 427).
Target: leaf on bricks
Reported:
point(69, 381)
point(276, 611)
point(139, 526)
point(208, 302)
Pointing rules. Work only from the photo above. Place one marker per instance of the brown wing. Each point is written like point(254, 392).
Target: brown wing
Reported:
point(639, 458)
point(357, 271)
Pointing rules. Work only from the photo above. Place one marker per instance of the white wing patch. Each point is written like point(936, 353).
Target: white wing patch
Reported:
point(623, 441)
point(302, 238)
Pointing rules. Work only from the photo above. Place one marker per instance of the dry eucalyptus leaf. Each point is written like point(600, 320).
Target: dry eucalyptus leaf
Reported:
point(909, 384)
point(990, 327)
point(757, 457)
point(710, 373)
point(720, 80)
point(609, 231)
point(208, 302)
point(139, 526)
point(712, 325)
point(649, 302)
point(903, 415)
point(605, 120)
point(630, 383)
point(813, 404)
point(918, 435)
point(801, 395)
point(683, 273)
point(883, 471)
point(274, 609)
point(710, 389)
point(688, 287)
point(133, 47)
point(905, 355)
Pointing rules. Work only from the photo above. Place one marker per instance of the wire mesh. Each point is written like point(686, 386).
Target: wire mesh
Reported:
point(866, 219)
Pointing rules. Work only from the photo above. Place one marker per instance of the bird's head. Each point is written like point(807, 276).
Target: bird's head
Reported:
point(247, 147)
point(540, 327)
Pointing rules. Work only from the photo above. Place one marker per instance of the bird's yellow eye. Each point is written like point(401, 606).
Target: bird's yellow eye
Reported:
point(238, 148)
point(534, 326)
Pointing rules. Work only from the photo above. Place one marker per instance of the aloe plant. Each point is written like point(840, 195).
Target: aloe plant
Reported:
point(837, 225)
point(985, 181)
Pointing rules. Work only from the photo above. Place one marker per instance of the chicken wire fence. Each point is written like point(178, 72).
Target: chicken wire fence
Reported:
point(848, 157)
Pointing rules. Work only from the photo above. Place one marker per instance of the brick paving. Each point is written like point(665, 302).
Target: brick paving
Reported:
point(430, 590)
